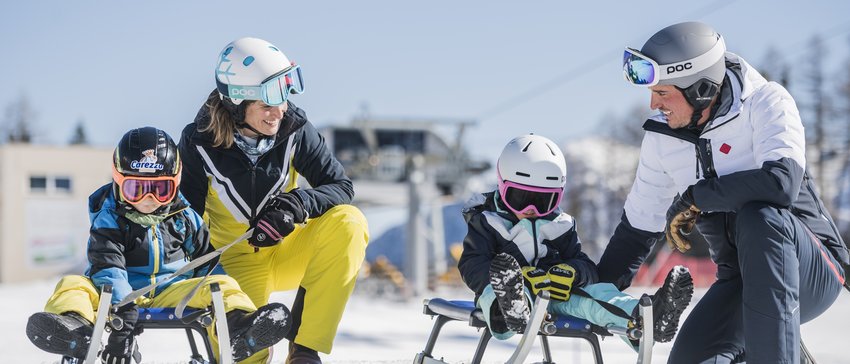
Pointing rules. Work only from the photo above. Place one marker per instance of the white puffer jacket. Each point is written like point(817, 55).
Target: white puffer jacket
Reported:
point(762, 125)
point(751, 150)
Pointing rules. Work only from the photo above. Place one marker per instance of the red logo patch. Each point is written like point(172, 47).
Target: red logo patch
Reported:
point(725, 148)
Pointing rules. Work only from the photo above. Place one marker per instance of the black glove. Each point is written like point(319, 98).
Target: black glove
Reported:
point(681, 218)
point(277, 220)
point(121, 345)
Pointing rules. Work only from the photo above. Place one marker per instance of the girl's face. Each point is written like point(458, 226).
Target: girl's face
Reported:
point(530, 214)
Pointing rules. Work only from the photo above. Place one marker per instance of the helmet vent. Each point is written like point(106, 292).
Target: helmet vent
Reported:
point(553, 178)
point(521, 174)
point(248, 60)
point(550, 149)
point(525, 149)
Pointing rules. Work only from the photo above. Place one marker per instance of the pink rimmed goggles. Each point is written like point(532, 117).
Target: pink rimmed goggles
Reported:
point(520, 198)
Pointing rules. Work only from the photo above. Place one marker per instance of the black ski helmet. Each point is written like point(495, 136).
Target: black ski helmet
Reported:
point(687, 44)
point(146, 152)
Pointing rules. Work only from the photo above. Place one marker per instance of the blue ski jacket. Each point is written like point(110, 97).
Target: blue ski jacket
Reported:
point(130, 256)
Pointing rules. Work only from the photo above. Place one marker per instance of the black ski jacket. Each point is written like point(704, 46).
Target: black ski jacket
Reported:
point(225, 186)
point(542, 243)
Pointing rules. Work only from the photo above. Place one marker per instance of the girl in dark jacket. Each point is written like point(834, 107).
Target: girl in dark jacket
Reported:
point(519, 243)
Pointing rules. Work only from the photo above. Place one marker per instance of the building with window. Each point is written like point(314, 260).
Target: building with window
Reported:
point(44, 220)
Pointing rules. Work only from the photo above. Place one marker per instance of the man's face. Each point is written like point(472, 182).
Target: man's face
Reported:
point(670, 101)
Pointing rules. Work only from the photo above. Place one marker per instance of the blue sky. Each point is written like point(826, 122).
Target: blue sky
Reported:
point(549, 67)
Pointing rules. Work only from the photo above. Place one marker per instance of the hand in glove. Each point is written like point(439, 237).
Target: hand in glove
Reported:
point(537, 279)
point(277, 220)
point(681, 218)
point(121, 345)
point(561, 279)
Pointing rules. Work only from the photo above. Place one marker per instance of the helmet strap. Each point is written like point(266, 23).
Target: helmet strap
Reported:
point(237, 112)
point(699, 96)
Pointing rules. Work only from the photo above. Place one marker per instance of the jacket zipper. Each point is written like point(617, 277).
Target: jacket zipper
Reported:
point(155, 245)
point(534, 237)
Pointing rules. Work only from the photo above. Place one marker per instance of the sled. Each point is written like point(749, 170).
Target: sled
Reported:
point(541, 325)
point(193, 322)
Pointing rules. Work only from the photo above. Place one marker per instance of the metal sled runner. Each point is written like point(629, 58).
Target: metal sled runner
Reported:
point(540, 325)
point(195, 321)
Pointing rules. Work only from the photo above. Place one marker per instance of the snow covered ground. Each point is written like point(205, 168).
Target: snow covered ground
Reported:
point(382, 331)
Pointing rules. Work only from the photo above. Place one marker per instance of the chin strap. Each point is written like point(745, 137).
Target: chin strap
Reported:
point(699, 96)
point(244, 125)
point(237, 112)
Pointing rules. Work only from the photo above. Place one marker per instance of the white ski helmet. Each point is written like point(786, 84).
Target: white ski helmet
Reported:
point(254, 69)
point(531, 164)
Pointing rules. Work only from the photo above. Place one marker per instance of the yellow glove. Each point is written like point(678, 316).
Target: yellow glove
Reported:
point(561, 279)
point(537, 279)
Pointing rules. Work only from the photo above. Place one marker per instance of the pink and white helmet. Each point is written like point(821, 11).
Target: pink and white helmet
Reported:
point(532, 174)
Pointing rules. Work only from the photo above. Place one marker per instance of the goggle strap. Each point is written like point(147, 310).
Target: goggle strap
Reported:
point(281, 72)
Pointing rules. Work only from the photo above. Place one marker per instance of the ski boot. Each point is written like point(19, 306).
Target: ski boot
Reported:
point(507, 281)
point(255, 331)
point(68, 334)
point(299, 354)
point(670, 301)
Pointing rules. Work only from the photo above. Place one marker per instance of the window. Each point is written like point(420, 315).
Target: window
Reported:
point(38, 184)
point(51, 185)
point(62, 184)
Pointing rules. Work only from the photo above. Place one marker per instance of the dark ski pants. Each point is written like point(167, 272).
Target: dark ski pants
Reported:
point(787, 277)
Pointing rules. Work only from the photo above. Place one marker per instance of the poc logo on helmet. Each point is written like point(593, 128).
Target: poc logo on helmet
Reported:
point(241, 92)
point(679, 67)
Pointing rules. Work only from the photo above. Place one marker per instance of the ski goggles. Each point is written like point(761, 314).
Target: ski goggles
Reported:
point(521, 198)
point(641, 70)
point(134, 189)
point(274, 90)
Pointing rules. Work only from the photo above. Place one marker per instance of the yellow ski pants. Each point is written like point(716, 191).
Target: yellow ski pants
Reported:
point(322, 256)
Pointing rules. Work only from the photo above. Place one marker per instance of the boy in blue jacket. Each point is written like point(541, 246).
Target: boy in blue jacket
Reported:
point(142, 231)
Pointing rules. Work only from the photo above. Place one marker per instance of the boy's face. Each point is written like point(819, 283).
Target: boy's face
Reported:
point(147, 205)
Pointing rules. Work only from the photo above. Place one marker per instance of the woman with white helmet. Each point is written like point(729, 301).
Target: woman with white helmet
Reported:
point(519, 242)
point(725, 157)
point(242, 157)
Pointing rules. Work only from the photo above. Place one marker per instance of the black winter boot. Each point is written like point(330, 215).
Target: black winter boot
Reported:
point(255, 331)
point(507, 281)
point(299, 354)
point(68, 334)
point(670, 301)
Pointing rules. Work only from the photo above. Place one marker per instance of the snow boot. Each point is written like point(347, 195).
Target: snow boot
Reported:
point(68, 334)
point(507, 281)
point(255, 331)
point(299, 354)
point(670, 301)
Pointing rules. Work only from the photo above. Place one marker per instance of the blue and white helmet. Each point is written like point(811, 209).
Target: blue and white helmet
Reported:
point(246, 68)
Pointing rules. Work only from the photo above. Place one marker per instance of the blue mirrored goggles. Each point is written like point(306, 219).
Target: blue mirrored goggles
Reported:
point(273, 91)
point(639, 69)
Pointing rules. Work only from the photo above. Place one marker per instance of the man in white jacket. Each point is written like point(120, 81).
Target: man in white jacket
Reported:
point(725, 158)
